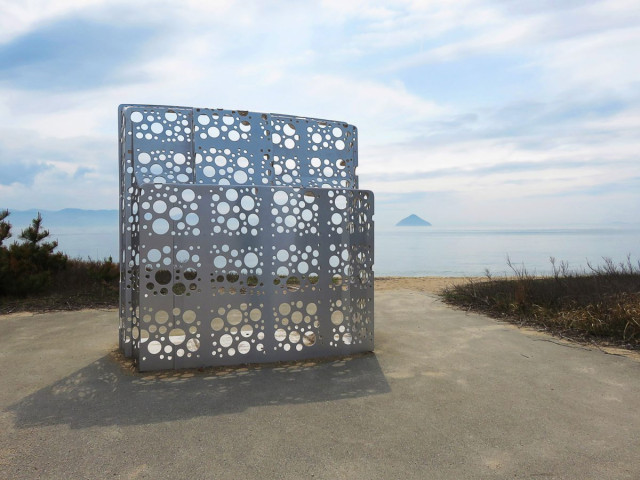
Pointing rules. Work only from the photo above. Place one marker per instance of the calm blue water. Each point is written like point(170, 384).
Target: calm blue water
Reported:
point(437, 251)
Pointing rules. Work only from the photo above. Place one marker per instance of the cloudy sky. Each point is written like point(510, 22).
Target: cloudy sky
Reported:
point(523, 112)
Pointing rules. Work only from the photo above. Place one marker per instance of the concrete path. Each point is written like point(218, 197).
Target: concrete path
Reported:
point(447, 395)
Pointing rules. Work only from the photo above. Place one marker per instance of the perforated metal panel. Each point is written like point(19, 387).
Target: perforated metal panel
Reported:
point(243, 238)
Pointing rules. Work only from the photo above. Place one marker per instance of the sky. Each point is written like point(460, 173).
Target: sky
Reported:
point(469, 112)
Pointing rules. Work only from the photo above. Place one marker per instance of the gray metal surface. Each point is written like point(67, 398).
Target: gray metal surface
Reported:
point(243, 238)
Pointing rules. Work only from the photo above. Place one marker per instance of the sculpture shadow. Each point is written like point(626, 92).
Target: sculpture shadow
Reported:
point(107, 393)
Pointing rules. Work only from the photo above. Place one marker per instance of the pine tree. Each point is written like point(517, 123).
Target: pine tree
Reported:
point(5, 227)
point(34, 234)
point(27, 267)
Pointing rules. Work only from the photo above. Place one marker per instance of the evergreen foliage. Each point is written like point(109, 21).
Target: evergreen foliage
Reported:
point(27, 267)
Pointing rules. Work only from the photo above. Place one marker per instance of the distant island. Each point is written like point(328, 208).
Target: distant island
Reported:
point(413, 221)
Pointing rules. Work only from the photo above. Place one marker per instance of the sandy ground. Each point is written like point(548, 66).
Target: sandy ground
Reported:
point(419, 284)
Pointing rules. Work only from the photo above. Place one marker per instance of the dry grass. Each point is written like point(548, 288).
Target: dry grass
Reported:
point(601, 304)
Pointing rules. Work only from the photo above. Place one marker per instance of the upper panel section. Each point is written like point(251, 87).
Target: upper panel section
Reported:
point(164, 144)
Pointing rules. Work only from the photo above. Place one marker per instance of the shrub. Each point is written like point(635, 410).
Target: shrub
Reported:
point(603, 302)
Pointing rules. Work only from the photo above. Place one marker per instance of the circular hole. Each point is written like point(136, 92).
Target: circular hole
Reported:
point(309, 339)
point(154, 255)
point(217, 324)
point(247, 202)
point(203, 119)
point(246, 330)
point(226, 340)
point(190, 274)
point(290, 221)
point(136, 117)
point(156, 127)
point(282, 271)
point(171, 116)
point(294, 336)
point(161, 317)
point(182, 256)
point(193, 344)
point(336, 132)
point(209, 171)
point(341, 202)
point(234, 135)
point(240, 177)
point(251, 260)
point(175, 213)
point(177, 336)
point(306, 215)
point(213, 132)
point(188, 195)
point(179, 288)
point(234, 316)
point(337, 317)
point(220, 261)
point(280, 197)
point(340, 145)
point(223, 208)
point(179, 159)
point(228, 119)
point(192, 219)
point(290, 164)
point(244, 347)
point(284, 309)
point(280, 335)
point(156, 169)
point(232, 195)
point(253, 220)
point(144, 158)
point(154, 347)
point(255, 314)
point(160, 226)
point(316, 137)
point(159, 206)
point(289, 129)
point(189, 316)
point(303, 267)
point(312, 308)
point(289, 143)
point(163, 277)
point(245, 126)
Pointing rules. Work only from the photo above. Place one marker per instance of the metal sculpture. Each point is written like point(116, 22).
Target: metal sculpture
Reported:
point(243, 238)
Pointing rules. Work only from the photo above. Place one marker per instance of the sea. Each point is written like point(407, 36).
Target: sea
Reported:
point(474, 251)
point(440, 251)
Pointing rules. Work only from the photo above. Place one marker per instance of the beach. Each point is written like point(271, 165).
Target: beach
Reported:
point(419, 284)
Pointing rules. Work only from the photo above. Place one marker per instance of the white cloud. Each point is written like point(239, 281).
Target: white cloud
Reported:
point(366, 63)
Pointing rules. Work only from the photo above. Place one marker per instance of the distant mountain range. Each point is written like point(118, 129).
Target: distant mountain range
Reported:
point(413, 221)
point(68, 217)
